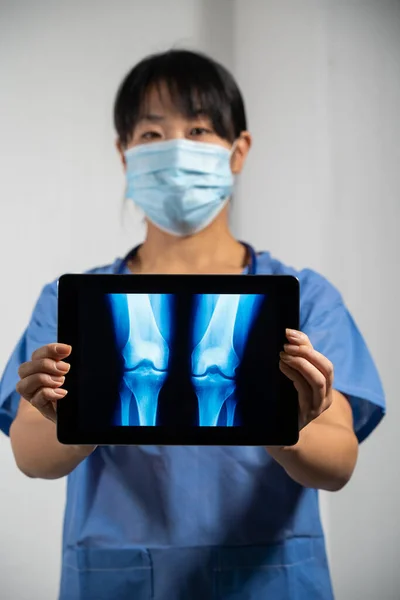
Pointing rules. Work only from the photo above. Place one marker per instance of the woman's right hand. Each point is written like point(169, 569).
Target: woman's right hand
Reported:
point(42, 377)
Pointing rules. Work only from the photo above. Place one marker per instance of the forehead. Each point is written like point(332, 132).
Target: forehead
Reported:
point(161, 99)
point(157, 98)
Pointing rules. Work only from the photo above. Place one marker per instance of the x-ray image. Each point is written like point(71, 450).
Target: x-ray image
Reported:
point(147, 337)
point(178, 360)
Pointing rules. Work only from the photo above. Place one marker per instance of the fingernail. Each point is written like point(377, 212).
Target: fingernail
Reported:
point(60, 392)
point(284, 356)
point(294, 334)
point(58, 379)
point(291, 348)
point(60, 350)
point(63, 367)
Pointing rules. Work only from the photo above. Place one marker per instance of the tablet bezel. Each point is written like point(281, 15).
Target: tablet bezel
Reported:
point(70, 286)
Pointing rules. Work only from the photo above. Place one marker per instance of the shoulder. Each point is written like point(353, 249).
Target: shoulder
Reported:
point(47, 300)
point(317, 293)
point(108, 269)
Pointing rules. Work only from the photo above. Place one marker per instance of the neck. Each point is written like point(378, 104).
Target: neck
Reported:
point(212, 250)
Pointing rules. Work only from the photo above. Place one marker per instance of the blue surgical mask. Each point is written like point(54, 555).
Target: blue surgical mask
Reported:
point(180, 185)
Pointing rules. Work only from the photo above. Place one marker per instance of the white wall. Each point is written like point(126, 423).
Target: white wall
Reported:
point(61, 191)
point(322, 83)
point(279, 59)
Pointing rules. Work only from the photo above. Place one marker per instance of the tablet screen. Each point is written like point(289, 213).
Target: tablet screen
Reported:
point(184, 363)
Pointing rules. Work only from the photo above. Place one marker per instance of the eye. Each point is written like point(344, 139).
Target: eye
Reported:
point(197, 131)
point(150, 135)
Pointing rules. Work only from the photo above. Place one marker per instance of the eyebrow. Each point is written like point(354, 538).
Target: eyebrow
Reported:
point(200, 113)
point(151, 117)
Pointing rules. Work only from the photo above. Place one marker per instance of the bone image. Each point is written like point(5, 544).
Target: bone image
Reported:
point(222, 323)
point(142, 329)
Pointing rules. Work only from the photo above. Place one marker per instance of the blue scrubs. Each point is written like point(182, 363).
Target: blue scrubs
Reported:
point(202, 523)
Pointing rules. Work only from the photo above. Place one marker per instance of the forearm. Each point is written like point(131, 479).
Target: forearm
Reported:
point(324, 457)
point(37, 451)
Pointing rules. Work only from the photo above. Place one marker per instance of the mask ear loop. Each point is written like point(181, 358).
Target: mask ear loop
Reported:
point(232, 152)
point(234, 146)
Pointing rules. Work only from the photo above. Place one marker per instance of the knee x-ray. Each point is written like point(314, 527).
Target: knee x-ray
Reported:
point(148, 337)
point(177, 360)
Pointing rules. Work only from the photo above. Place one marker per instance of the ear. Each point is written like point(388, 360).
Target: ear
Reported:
point(240, 152)
point(120, 150)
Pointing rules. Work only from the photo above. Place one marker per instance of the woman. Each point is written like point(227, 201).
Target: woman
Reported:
point(187, 522)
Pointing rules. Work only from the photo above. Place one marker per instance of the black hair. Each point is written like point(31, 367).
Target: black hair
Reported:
point(195, 83)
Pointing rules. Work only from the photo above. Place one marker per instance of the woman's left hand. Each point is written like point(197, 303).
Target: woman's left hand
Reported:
point(311, 373)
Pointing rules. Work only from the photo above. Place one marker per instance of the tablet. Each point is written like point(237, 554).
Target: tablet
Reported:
point(177, 359)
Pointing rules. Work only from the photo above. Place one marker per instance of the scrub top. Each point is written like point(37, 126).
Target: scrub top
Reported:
point(202, 523)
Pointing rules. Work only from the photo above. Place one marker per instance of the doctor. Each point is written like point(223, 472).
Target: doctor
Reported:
point(172, 523)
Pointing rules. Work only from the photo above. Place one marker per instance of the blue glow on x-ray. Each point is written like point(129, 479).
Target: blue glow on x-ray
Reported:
point(142, 324)
point(221, 327)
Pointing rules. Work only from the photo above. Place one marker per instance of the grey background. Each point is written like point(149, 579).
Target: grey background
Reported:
point(321, 81)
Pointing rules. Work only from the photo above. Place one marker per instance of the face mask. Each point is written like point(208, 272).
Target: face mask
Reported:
point(180, 185)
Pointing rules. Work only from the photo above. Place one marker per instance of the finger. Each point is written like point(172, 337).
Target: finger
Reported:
point(301, 385)
point(307, 413)
point(298, 337)
point(303, 389)
point(43, 365)
point(29, 386)
point(317, 359)
point(55, 351)
point(45, 402)
point(311, 374)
